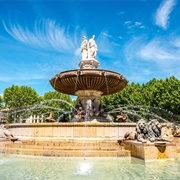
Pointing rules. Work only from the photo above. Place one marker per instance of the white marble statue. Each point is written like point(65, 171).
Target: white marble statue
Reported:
point(84, 48)
point(92, 48)
point(88, 49)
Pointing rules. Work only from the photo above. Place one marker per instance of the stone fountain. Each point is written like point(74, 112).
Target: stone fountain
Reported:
point(89, 83)
point(84, 136)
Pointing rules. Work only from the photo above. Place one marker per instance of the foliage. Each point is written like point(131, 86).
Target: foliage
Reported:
point(19, 98)
point(58, 103)
point(161, 96)
point(1, 101)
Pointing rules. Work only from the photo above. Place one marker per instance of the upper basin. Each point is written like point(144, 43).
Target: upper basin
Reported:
point(108, 82)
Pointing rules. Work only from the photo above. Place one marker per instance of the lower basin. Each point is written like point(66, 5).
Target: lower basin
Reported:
point(30, 167)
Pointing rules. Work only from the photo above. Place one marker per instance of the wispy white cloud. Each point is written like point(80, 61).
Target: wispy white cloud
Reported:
point(159, 50)
point(45, 34)
point(42, 66)
point(128, 22)
point(142, 27)
point(138, 23)
point(132, 47)
point(106, 34)
point(131, 25)
point(104, 43)
point(162, 14)
point(120, 13)
point(158, 57)
point(176, 42)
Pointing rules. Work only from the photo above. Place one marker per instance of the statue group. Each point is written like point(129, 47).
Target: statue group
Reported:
point(88, 49)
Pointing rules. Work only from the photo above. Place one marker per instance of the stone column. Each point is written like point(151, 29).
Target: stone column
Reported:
point(90, 101)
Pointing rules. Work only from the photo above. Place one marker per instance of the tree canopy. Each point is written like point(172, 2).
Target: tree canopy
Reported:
point(1, 101)
point(58, 102)
point(15, 96)
point(155, 94)
point(162, 94)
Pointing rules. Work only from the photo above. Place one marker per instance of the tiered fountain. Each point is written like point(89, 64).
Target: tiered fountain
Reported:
point(84, 135)
point(89, 83)
point(89, 133)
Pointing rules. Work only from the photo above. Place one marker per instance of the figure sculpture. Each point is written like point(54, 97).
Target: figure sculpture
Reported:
point(121, 117)
point(84, 48)
point(92, 48)
point(88, 49)
point(63, 118)
point(50, 117)
point(80, 116)
point(91, 106)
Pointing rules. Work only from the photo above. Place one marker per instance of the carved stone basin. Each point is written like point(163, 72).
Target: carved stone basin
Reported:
point(105, 81)
point(160, 144)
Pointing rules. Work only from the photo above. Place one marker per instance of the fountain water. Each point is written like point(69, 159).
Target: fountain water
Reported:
point(146, 112)
point(23, 167)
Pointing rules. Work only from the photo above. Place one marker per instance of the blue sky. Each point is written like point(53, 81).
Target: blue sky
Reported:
point(39, 38)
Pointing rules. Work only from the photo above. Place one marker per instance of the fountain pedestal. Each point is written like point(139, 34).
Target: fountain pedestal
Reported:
point(89, 64)
point(90, 101)
point(152, 151)
point(89, 83)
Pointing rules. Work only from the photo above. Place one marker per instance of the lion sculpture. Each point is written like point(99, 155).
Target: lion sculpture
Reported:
point(154, 128)
point(146, 132)
point(177, 131)
point(141, 131)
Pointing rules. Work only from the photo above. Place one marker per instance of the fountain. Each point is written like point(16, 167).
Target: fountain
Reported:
point(90, 133)
point(89, 83)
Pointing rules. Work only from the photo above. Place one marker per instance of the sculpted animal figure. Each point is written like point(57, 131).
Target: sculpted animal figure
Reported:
point(154, 131)
point(130, 135)
point(50, 117)
point(96, 106)
point(80, 116)
point(177, 131)
point(121, 117)
point(63, 118)
point(149, 131)
point(141, 131)
point(8, 134)
point(154, 128)
point(146, 132)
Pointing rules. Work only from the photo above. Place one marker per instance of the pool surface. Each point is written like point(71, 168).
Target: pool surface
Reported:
point(16, 167)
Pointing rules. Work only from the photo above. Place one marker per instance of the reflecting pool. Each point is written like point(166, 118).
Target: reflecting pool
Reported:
point(15, 167)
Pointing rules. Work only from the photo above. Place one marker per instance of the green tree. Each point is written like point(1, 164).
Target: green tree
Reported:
point(1, 102)
point(16, 96)
point(57, 102)
point(162, 97)
point(19, 98)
